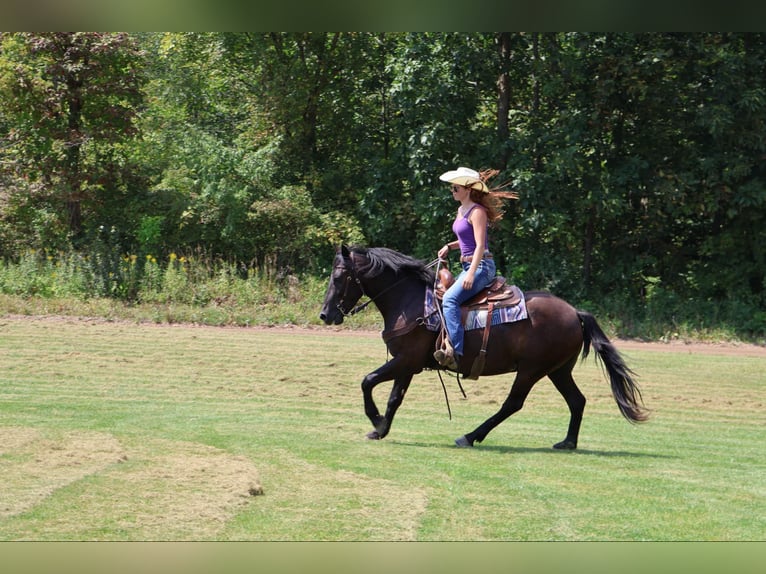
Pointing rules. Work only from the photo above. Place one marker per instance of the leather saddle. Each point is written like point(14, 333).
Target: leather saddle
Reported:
point(499, 292)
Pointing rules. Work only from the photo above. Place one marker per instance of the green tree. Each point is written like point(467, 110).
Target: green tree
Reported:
point(202, 181)
point(219, 154)
point(69, 102)
point(638, 157)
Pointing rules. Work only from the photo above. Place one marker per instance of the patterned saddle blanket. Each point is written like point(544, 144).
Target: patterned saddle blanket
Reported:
point(475, 317)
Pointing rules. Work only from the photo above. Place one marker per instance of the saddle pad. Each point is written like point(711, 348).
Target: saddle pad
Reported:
point(476, 319)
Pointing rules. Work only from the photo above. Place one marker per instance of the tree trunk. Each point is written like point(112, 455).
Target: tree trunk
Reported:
point(75, 139)
point(587, 260)
point(503, 97)
point(536, 66)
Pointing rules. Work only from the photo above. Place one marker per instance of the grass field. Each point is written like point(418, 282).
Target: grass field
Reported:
point(120, 431)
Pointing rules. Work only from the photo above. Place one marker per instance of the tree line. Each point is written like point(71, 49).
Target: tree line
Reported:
point(639, 158)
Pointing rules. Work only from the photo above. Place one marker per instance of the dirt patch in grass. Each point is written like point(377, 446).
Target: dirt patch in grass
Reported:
point(310, 502)
point(172, 490)
point(34, 466)
point(89, 486)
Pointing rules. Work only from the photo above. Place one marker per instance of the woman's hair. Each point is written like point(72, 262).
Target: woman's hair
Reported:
point(492, 202)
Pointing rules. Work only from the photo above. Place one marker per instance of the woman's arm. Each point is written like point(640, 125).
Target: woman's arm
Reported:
point(478, 219)
point(446, 248)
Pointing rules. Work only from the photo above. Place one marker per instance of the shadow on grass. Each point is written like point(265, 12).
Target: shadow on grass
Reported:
point(529, 450)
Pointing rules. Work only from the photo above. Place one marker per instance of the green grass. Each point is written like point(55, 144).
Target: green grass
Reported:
point(125, 431)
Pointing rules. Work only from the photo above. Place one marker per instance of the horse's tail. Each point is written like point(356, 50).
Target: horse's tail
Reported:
point(624, 389)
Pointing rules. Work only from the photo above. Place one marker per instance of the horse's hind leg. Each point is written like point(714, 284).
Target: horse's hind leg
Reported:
point(563, 381)
point(519, 391)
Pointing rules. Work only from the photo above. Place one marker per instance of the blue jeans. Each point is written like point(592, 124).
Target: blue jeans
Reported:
point(456, 295)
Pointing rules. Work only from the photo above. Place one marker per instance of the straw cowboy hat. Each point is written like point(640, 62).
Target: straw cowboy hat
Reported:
point(465, 176)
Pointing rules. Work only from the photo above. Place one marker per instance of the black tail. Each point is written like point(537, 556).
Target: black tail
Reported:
point(624, 388)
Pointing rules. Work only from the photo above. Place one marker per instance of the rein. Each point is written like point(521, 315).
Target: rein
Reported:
point(438, 263)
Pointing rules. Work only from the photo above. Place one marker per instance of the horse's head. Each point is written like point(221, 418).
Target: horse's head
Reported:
point(344, 289)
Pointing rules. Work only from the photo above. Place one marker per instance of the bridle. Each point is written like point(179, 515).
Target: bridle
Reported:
point(353, 276)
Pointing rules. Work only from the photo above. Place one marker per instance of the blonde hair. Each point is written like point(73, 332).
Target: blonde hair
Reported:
point(492, 201)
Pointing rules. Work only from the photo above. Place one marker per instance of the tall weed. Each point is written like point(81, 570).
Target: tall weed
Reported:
point(201, 289)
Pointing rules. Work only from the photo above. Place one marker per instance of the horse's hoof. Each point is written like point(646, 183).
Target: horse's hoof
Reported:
point(565, 445)
point(463, 442)
point(373, 435)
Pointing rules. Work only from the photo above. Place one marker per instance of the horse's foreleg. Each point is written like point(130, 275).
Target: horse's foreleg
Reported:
point(401, 384)
point(387, 372)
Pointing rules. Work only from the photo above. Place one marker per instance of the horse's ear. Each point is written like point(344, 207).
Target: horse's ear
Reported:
point(344, 251)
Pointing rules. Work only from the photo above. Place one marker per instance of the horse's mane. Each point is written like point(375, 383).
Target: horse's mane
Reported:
point(382, 258)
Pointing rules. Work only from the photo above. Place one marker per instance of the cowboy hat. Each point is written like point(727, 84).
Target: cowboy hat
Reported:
point(465, 176)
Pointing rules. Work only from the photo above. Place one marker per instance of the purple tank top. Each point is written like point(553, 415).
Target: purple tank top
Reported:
point(464, 231)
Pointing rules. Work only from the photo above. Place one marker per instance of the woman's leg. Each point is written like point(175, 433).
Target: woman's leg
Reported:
point(451, 307)
point(456, 295)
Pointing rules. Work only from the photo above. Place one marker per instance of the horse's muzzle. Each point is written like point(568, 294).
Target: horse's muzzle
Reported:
point(331, 318)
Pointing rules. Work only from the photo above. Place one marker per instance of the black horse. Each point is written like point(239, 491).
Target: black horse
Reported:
point(548, 343)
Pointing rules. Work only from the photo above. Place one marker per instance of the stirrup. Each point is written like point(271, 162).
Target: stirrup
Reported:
point(446, 361)
point(445, 349)
point(441, 357)
point(446, 356)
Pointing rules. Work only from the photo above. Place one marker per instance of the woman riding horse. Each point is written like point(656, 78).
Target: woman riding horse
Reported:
point(546, 344)
point(479, 207)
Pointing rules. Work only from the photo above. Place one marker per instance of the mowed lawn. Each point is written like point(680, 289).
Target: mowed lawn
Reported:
point(120, 431)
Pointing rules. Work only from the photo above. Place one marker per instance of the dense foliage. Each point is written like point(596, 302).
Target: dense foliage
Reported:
point(639, 158)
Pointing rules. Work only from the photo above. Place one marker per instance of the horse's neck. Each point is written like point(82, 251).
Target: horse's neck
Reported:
point(398, 301)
